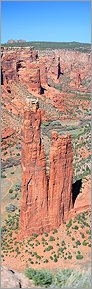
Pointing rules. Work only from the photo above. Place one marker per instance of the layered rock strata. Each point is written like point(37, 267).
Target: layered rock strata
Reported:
point(21, 65)
point(43, 72)
point(34, 179)
point(60, 179)
point(46, 200)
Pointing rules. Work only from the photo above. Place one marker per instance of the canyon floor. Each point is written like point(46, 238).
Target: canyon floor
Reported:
point(66, 109)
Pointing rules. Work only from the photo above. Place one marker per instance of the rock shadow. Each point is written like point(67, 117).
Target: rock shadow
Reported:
point(2, 82)
point(76, 187)
point(42, 89)
point(59, 71)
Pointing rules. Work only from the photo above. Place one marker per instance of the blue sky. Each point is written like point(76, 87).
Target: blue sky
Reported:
point(46, 21)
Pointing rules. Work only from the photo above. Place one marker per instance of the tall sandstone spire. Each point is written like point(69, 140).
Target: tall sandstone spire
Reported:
point(45, 201)
point(60, 179)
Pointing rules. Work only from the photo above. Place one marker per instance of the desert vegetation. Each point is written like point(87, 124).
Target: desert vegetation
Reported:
point(46, 249)
point(66, 278)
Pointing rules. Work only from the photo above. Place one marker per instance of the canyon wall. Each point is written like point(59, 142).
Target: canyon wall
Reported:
point(38, 69)
point(19, 64)
point(46, 200)
point(64, 61)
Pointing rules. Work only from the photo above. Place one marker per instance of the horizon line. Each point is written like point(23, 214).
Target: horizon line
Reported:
point(73, 41)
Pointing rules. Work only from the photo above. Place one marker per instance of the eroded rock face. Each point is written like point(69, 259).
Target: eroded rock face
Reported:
point(60, 181)
point(69, 69)
point(34, 179)
point(30, 75)
point(73, 64)
point(43, 72)
point(45, 200)
point(21, 65)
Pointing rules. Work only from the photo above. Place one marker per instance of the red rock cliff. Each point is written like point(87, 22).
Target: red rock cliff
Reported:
point(60, 181)
point(20, 64)
point(34, 179)
point(45, 203)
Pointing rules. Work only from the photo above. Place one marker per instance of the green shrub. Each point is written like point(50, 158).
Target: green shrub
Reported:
point(46, 243)
point(82, 235)
point(78, 217)
point(84, 243)
point(51, 238)
point(32, 245)
point(48, 248)
point(35, 236)
point(38, 257)
point(11, 208)
point(31, 262)
point(3, 176)
point(88, 232)
point(73, 239)
point(17, 250)
point(76, 227)
point(43, 278)
point(18, 154)
point(14, 196)
point(70, 257)
point(46, 234)
point(55, 259)
point(51, 257)
point(46, 261)
point(69, 223)
point(10, 191)
point(55, 231)
point(30, 272)
point(43, 240)
point(60, 250)
point(78, 243)
point(79, 256)
point(63, 243)
point(5, 153)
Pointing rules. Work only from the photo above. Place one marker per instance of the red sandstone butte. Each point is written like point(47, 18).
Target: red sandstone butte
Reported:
point(45, 200)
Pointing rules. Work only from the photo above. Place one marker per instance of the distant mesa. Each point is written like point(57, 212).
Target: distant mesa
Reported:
point(11, 41)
